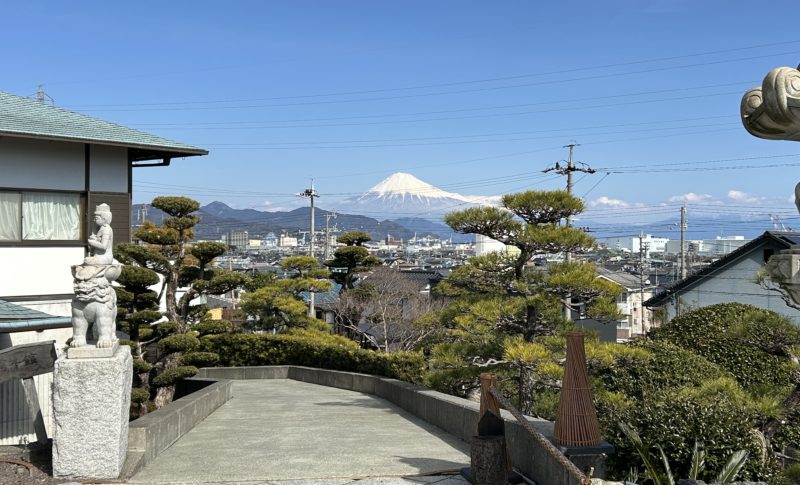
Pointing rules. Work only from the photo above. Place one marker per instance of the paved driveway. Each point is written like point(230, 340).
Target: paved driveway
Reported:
point(285, 431)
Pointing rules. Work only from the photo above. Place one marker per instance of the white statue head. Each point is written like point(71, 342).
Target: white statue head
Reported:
point(102, 214)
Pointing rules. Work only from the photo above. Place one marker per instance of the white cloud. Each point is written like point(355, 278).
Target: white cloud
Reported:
point(605, 201)
point(690, 197)
point(740, 196)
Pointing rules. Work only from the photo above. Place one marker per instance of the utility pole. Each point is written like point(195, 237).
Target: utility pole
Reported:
point(643, 247)
point(568, 170)
point(311, 194)
point(683, 242)
point(328, 217)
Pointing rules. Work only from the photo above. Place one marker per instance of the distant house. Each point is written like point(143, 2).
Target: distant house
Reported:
point(638, 319)
point(730, 278)
point(56, 166)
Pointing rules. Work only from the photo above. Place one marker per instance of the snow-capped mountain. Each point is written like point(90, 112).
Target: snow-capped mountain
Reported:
point(404, 195)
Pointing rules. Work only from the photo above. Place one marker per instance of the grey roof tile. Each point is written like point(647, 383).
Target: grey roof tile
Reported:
point(25, 117)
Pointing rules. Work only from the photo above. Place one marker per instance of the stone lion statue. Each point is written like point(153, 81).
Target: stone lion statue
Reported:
point(95, 302)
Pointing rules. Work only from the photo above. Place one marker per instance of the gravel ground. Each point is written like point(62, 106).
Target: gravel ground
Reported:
point(37, 472)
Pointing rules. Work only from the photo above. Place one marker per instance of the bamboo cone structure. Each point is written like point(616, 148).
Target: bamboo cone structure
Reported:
point(576, 419)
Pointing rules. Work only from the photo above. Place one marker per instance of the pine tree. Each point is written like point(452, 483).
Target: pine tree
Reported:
point(503, 308)
point(167, 251)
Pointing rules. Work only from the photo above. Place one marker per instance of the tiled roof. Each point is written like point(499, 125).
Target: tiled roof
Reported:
point(28, 118)
point(326, 297)
point(15, 318)
point(782, 239)
point(626, 280)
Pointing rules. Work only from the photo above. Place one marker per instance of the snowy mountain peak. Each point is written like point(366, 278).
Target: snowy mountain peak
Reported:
point(402, 184)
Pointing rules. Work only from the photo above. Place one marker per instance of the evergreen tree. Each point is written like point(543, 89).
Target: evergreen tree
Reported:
point(167, 252)
point(503, 308)
point(277, 304)
point(354, 257)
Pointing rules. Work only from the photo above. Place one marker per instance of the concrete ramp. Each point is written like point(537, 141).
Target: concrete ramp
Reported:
point(278, 430)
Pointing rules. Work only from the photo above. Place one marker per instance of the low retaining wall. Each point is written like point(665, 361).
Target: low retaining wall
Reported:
point(457, 416)
point(197, 397)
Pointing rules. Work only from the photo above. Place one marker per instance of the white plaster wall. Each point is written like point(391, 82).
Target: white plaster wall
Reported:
point(108, 169)
point(36, 164)
point(37, 271)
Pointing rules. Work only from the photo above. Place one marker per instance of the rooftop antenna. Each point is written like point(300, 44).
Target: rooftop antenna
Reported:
point(43, 97)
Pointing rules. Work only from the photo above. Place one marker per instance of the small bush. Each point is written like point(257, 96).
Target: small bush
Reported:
point(708, 332)
point(312, 349)
point(166, 328)
point(200, 359)
point(140, 395)
point(178, 343)
point(212, 327)
point(140, 366)
point(662, 366)
point(674, 420)
point(171, 376)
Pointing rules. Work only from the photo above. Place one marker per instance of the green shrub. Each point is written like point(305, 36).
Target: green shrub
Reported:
point(140, 395)
point(140, 366)
point(674, 420)
point(708, 332)
point(166, 328)
point(312, 349)
point(200, 359)
point(212, 327)
point(183, 342)
point(661, 367)
point(171, 376)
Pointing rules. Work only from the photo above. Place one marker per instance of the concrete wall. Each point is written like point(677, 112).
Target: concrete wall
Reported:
point(108, 169)
point(35, 164)
point(37, 270)
point(149, 435)
point(457, 416)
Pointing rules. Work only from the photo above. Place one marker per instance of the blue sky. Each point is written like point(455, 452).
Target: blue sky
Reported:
point(473, 97)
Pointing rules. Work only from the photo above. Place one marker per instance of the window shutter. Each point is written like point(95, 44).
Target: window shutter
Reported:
point(120, 204)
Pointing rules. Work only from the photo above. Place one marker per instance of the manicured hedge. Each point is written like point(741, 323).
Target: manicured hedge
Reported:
point(307, 349)
point(674, 420)
point(664, 366)
point(171, 376)
point(705, 331)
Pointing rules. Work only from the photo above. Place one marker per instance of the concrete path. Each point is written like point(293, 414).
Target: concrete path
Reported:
point(289, 432)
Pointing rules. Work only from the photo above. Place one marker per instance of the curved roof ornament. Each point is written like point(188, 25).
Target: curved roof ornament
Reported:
point(772, 111)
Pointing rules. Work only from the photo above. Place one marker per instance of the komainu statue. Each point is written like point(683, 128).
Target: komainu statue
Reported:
point(772, 111)
point(95, 300)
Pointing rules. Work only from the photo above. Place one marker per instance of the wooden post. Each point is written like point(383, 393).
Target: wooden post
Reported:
point(488, 401)
point(488, 460)
point(490, 463)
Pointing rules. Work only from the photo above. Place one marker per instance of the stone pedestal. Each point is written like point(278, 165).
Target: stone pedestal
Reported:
point(91, 403)
point(784, 269)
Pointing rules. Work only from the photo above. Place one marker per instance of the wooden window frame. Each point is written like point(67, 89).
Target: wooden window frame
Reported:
point(81, 242)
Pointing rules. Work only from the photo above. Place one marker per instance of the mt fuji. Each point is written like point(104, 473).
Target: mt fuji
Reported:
point(404, 195)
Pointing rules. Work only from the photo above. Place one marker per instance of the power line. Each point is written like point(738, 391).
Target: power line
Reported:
point(178, 105)
point(460, 110)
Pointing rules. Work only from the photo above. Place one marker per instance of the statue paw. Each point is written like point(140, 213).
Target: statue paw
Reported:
point(77, 342)
point(105, 343)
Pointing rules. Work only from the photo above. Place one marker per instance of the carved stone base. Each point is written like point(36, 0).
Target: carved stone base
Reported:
point(784, 269)
point(90, 351)
point(91, 403)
